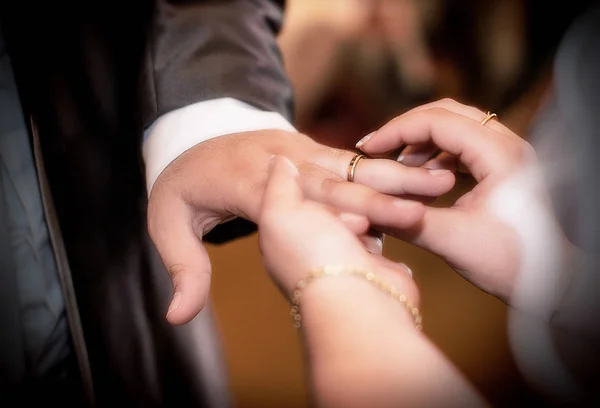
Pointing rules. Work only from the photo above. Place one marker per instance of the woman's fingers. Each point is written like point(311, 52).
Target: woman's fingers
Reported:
point(482, 149)
point(443, 160)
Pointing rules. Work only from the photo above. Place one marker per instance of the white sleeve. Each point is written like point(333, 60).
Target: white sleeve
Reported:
point(177, 131)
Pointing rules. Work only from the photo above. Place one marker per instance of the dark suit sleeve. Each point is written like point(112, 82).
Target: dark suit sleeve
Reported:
point(208, 49)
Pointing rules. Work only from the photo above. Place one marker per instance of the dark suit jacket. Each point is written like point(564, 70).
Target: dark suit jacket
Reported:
point(92, 76)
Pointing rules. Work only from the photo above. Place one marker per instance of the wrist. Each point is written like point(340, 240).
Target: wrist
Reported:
point(178, 131)
point(350, 297)
point(333, 309)
point(352, 328)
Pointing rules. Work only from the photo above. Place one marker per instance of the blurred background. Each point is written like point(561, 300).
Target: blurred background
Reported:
point(354, 65)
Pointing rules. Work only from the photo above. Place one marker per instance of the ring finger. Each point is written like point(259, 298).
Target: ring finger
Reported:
point(388, 176)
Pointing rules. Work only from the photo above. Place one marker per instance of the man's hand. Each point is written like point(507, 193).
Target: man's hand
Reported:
point(225, 177)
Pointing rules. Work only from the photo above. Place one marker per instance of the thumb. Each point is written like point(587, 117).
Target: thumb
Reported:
point(446, 232)
point(283, 193)
point(171, 229)
point(482, 249)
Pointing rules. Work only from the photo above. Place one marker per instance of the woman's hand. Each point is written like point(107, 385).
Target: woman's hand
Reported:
point(502, 235)
point(362, 347)
point(298, 235)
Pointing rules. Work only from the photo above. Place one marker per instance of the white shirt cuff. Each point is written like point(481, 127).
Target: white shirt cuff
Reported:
point(177, 131)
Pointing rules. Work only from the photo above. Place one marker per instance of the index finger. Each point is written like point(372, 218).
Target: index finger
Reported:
point(482, 149)
point(465, 110)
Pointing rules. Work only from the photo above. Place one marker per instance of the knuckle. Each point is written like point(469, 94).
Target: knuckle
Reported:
point(439, 111)
point(329, 186)
point(447, 101)
point(369, 200)
point(436, 116)
point(523, 153)
point(175, 271)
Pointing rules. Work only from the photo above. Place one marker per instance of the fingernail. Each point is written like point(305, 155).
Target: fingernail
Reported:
point(363, 140)
point(292, 167)
point(375, 246)
point(271, 163)
point(439, 172)
point(406, 268)
point(174, 303)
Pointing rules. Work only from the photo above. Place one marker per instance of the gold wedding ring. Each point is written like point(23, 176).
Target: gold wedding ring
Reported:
point(489, 117)
point(352, 166)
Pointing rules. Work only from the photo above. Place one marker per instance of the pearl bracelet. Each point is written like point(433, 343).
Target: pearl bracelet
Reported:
point(350, 271)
